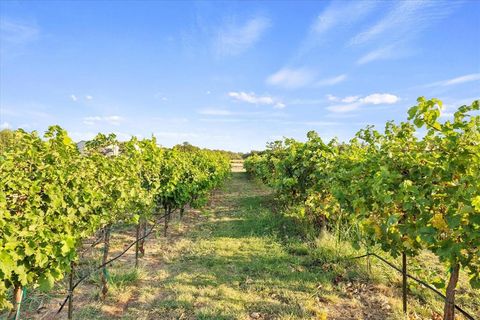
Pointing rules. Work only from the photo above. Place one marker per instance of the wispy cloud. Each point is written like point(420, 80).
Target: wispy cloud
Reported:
point(76, 98)
point(331, 81)
point(291, 78)
point(234, 39)
point(112, 120)
point(352, 103)
point(388, 52)
point(341, 13)
point(458, 80)
point(348, 99)
point(344, 107)
point(252, 98)
point(17, 33)
point(337, 16)
point(405, 19)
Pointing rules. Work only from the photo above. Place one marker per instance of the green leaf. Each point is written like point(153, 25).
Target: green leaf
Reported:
point(46, 281)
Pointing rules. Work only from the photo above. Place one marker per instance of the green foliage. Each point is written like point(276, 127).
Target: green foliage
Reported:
point(405, 190)
point(52, 197)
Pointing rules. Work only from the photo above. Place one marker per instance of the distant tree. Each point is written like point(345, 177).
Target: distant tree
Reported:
point(186, 146)
point(7, 137)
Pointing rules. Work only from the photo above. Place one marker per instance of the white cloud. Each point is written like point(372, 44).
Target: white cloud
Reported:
point(73, 97)
point(111, 120)
point(88, 97)
point(92, 120)
point(352, 103)
point(291, 78)
point(462, 79)
point(5, 125)
point(251, 97)
point(380, 98)
point(331, 81)
point(254, 99)
point(115, 120)
point(348, 99)
point(344, 107)
point(234, 39)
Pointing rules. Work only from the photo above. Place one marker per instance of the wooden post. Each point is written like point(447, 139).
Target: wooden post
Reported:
point(369, 266)
point(182, 211)
point(137, 244)
point(143, 231)
point(404, 282)
point(106, 248)
point(70, 291)
point(449, 309)
point(17, 301)
point(165, 227)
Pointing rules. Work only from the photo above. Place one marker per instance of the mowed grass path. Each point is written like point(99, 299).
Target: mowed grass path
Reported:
point(239, 259)
point(239, 263)
point(231, 266)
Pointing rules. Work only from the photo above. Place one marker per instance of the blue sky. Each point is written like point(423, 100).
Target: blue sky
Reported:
point(232, 75)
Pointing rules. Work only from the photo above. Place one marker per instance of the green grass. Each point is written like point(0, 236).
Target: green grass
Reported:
point(245, 260)
point(240, 259)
